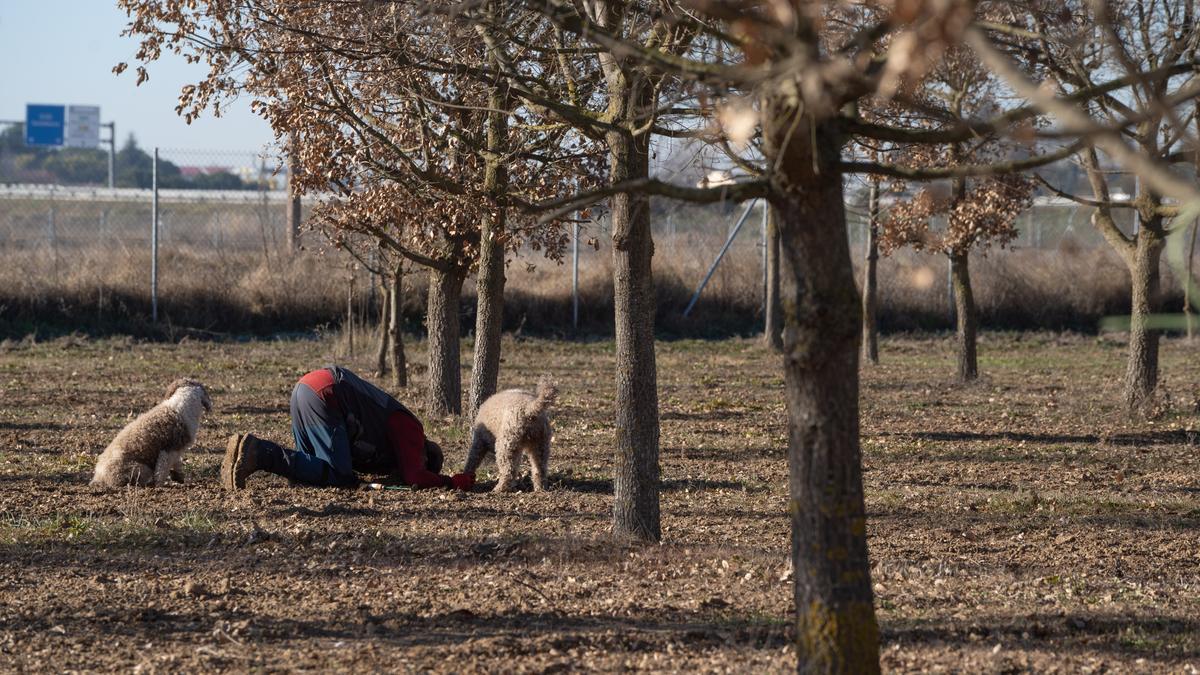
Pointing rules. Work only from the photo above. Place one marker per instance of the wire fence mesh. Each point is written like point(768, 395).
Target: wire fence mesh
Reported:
point(226, 248)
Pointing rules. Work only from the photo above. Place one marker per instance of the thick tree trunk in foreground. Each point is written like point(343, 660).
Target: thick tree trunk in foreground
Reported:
point(396, 327)
point(1141, 372)
point(870, 286)
point(773, 321)
point(444, 395)
point(636, 485)
point(489, 317)
point(836, 630)
point(967, 317)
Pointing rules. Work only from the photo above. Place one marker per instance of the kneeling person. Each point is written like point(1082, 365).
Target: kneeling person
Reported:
point(342, 424)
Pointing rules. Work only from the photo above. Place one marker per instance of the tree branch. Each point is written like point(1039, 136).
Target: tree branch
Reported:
point(737, 192)
point(962, 171)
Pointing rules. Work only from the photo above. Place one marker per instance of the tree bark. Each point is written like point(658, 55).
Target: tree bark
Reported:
point(836, 630)
point(967, 317)
point(489, 317)
point(381, 362)
point(444, 395)
point(636, 485)
point(870, 289)
point(1141, 372)
point(396, 327)
point(773, 321)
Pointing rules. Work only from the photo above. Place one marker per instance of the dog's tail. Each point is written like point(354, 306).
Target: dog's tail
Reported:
point(543, 398)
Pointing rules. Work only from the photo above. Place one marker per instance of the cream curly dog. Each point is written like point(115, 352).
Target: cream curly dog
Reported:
point(149, 450)
point(509, 423)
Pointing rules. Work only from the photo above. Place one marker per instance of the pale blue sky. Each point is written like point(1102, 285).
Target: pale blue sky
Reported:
point(63, 51)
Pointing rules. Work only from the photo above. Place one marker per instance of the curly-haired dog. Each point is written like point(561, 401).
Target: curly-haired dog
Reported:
point(149, 450)
point(509, 423)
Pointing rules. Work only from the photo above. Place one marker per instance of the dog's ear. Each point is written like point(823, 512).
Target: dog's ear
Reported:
point(189, 382)
point(176, 385)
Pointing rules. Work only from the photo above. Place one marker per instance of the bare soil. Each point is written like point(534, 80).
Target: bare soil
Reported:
point(1018, 524)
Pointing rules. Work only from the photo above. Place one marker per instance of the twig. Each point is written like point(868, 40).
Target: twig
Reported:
point(533, 588)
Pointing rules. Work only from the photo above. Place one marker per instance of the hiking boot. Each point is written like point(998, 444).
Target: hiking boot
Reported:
point(241, 460)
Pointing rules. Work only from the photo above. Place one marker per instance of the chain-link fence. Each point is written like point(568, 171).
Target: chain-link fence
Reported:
point(209, 234)
point(227, 259)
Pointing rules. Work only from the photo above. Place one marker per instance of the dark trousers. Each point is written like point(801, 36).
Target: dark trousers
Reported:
point(322, 455)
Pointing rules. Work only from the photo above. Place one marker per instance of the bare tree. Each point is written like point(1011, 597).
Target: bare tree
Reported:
point(1154, 43)
point(386, 106)
point(621, 113)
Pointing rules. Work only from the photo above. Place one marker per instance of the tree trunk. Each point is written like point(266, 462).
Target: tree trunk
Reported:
point(967, 317)
point(635, 507)
point(381, 363)
point(870, 287)
point(773, 321)
point(489, 316)
point(444, 395)
point(396, 327)
point(1141, 373)
point(836, 630)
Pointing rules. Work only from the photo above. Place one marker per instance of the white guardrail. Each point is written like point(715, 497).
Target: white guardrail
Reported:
point(178, 196)
point(172, 196)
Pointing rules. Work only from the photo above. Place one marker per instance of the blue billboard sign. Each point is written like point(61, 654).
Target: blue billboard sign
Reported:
point(44, 124)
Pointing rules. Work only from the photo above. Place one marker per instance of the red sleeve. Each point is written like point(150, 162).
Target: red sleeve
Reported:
point(408, 442)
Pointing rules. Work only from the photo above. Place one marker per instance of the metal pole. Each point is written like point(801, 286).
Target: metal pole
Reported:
point(154, 238)
point(724, 249)
point(293, 231)
point(350, 314)
point(1137, 215)
point(575, 278)
point(763, 237)
point(950, 286)
point(112, 151)
point(52, 225)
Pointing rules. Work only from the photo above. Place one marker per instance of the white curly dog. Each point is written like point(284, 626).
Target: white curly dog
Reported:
point(509, 423)
point(149, 450)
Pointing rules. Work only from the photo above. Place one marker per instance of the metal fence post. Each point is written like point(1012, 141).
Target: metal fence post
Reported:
point(293, 204)
point(724, 249)
point(112, 152)
point(52, 231)
point(1137, 214)
point(154, 238)
point(950, 288)
point(575, 277)
point(763, 238)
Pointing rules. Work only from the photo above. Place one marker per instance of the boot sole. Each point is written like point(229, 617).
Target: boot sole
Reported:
point(229, 465)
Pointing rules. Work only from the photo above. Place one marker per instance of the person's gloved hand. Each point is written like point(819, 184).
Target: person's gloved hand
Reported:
point(463, 481)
